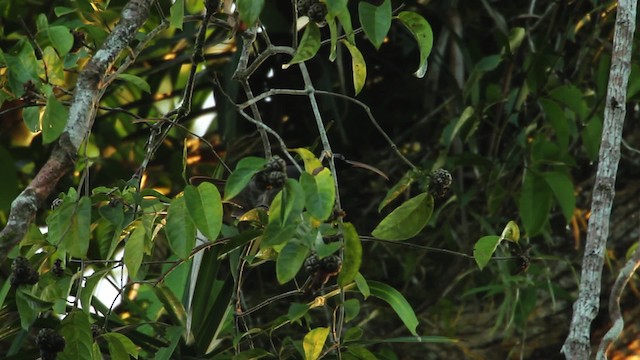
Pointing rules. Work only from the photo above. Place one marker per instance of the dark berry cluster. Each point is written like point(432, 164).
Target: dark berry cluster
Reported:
point(57, 268)
point(440, 181)
point(329, 265)
point(314, 9)
point(22, 272)
point(273, 175)
point(31, 92)
point(78, 40)
point(50, 343)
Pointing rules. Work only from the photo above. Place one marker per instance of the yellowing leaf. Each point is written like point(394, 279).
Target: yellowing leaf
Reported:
point(358, 65)
point(314, 342)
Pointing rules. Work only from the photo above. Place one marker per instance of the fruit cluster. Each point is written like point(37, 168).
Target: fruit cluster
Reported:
point(273, 175)
point(22, 272)
point(314, 9)
point(50, 343)
point(440, 181)
point(57, 268)
point(329, 265)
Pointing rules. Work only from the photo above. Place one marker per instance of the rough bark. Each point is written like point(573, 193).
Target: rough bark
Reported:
point(81, 114)
point(577, 345)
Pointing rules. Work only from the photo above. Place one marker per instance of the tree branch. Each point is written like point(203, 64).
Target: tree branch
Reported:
point(81, 115)
point(585, 309)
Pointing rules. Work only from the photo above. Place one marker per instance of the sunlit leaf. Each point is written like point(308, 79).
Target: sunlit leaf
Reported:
point(352, 255)
point(309, 44)
point(134, 250)
point(375, 20)
point(358, 66)
point(313, 342)
point(249, 10)
point(511, 232)
point(180, 229)
point(55, 66)
point(407, 220)
point(398, 303)
point(205, 208)
point(176, 14)
point(484, 249)
point(423, 34)
point(54, 120)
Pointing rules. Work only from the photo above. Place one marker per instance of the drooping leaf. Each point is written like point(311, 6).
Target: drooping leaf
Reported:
point(205, 208)
point(534, 203)
point(250, 10)
point(333, 32)
point(320, 193)
point(290, 261)
point(398, 303)
point(76, 239)
point(375, 20)
point(180, 229)
point(451, 131)
point(423, 34)
point(352, 255)
point(484, 249)
point(134, 250)
point(407, 220)
point(76, 331)
point(176, 14)
point(54, 120)
point(358, 66)
point(238, 180)
point(137, 81)
point(313, 342)
point(120, 346)
point(309, 44)
point(562, 187)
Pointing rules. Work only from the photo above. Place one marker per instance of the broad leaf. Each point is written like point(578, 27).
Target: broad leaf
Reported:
point(352, 255)
point(137, 81)
point(534, 203)
point(76, 330)
point(313, 342)
point(249, 10)
point(61, 39)
point(290, 261)
point(309, 44)
point(171, 303)
point(359, 67)
point(399, 304)
point(54, 120)
point(205, 208)
point(180, 229)
point(562, 187)
point(76, 239)
point(375, 20)
point(120, 346)
point(423, 34)
point(320, 193)
point(29, 306)
point(484, 249)
point(407, 220)
point(176, 14)
point(31, 116)
point(241, 176)
point(297, 311)
point(362, 285)
point(311, 162)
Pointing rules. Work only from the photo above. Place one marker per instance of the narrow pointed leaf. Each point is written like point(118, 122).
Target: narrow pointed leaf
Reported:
point(399, 188)
point(76, 330)
point(176, 14)
point(352, 255)
point(562, 188)
point(180, 229)
point(359, 67)
point(398, 303)
point(76, 239)
point(134, 250)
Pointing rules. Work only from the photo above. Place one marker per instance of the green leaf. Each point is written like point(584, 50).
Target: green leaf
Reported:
point(290, 261)
point(362, 285)
point(205, 208)
point(54, 120)
point(311, 162)
point(375, 20)
point(591, 137)
point(421, 31)
point(407, 220)
point(571, 97)
point(484, 249)
point(293, 197)
point(241, 176)
point(562, 187)
point(76, 239)
point(398, 303)
point(171, 303)
point(176, 17)
point(313, 342)
point(61, 39)
point(333, 32)
point(358, 66)
point(21, 68)
point(89, 288)
point(351, 309)
point(137, 81)
point(250, 10)
point(451, 131)
point(180, 229)
point(352, 255)
point(399, 188)
point(556, 117)
point(173, 334)
point(297, 311)
point(534, 203)
point(120, 346)
point(361, 353)
point(76, 330)
point(55, 66)
point(134, 250)
point(29, 306)
point(31, 116)
point(320, 193)
point(9, 182)
point(309, 44)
